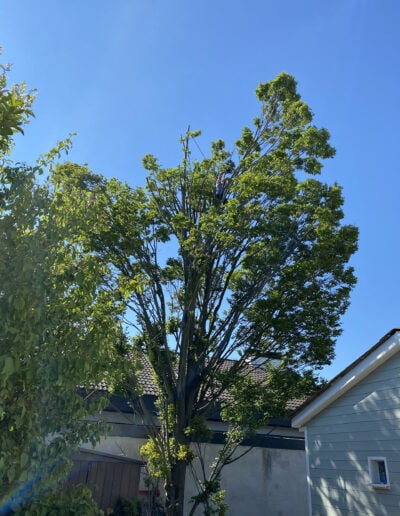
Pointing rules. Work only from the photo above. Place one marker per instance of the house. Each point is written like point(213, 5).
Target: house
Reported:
point(269, 480)
point(352, 433)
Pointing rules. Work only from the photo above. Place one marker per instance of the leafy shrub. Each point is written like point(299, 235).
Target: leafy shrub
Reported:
point(127, 507)
point(78, 500)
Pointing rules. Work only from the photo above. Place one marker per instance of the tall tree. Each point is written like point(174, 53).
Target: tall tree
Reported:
point(236, 255)
point(56, 321)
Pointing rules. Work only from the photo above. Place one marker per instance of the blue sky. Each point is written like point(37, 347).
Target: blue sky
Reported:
point(129, 76)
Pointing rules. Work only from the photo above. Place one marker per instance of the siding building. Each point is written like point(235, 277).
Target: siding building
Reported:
point(352, 436)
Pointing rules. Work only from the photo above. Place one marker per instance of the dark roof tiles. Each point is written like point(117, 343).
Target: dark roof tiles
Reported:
point(149, 387)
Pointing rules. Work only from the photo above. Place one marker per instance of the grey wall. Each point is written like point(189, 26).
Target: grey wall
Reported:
point(362, 423)
point(265, 482)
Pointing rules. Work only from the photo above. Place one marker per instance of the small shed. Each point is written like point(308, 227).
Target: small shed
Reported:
point(109, 477)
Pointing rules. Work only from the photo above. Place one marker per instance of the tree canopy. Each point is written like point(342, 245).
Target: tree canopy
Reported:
point(59, 329)
point(241, 254)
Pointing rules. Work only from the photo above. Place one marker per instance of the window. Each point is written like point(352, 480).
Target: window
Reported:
point(378, 472)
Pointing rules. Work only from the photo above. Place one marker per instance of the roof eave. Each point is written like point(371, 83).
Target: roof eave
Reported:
point(377, 355)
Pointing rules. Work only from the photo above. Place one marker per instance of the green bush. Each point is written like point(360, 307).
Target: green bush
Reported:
point(77, 501)
point(127, 507)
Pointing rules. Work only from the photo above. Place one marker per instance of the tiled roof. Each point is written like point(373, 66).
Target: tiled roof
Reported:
point(149, 387)
point(293, 405)
point(147, 383)
point(146, 379)
point(257, 373)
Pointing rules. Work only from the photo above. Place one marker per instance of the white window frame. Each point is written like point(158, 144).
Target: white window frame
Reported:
point(374, 466)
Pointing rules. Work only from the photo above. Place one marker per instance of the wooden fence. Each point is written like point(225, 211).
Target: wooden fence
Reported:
point(109, 477)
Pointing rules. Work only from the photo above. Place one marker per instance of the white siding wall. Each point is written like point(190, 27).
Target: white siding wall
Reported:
point(362, 423)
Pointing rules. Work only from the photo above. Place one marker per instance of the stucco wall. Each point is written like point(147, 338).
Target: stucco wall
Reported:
point(265, 482)
point(364, 422)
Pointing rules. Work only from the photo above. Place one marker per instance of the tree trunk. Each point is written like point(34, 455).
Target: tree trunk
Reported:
point(175, 490)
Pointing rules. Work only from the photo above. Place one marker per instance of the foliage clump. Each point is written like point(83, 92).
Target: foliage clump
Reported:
point(60, 329)
point(127, 507)
point(78, 500)
point(239, 254)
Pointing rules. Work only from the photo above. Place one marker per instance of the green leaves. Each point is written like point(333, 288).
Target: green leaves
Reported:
point(8, 368)
point(232, 255)
point(150, 163)
point(15, 110)
point(281, 89)
point(263, 271)
point(60, 327)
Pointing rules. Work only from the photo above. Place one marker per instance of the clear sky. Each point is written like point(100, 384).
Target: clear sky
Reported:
point(129, 76)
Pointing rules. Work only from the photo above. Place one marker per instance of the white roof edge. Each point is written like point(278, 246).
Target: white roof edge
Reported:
point(342, 383)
